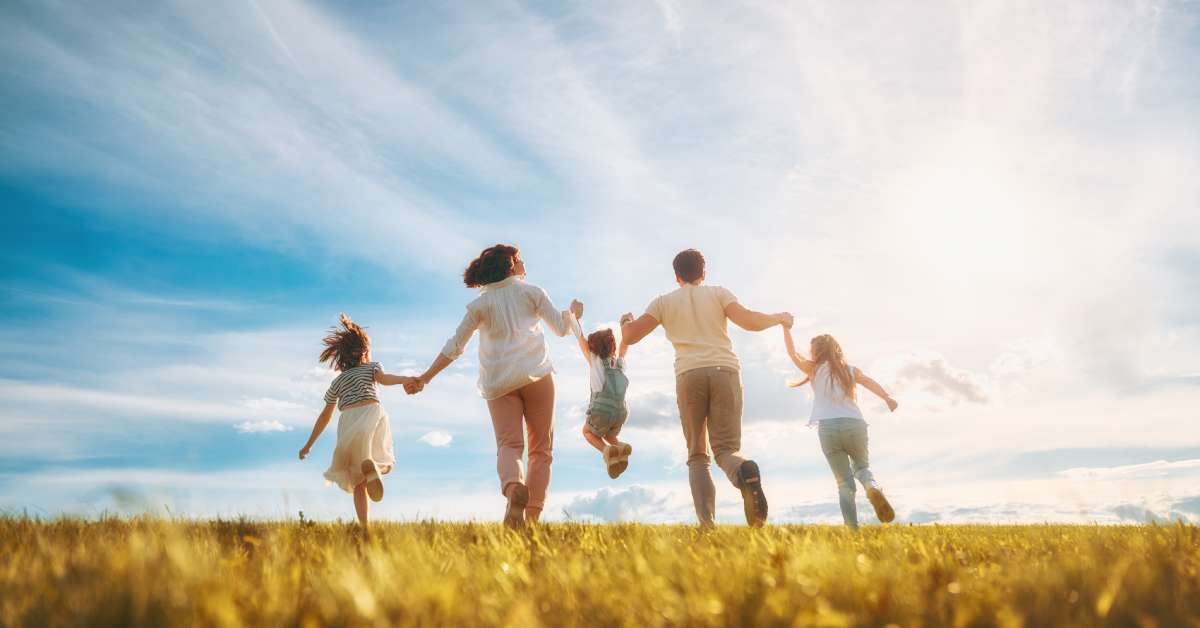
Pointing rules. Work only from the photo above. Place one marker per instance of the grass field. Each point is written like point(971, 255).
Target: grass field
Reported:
point(165, 573)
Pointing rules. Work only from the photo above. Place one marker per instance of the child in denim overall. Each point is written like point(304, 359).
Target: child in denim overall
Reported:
point(606, 410)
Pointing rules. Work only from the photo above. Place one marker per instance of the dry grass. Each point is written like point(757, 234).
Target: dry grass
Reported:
point(176, 573)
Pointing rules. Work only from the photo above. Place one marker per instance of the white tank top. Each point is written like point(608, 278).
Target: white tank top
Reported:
point(829, 399)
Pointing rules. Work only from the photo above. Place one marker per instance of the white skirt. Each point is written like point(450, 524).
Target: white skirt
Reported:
point(363, 432)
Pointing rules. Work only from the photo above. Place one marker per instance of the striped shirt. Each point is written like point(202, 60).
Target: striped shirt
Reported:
point(354, 385)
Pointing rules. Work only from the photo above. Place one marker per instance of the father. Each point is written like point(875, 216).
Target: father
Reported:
point(708, 386)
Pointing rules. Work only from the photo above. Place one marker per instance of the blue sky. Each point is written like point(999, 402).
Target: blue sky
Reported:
point(991, 204)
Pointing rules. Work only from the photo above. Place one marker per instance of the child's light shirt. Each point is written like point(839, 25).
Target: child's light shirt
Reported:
point(595, 364)
point(512, 349)
point(829, 398)
point(354, 385)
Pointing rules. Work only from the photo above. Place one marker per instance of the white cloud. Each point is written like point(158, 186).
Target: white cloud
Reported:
point(1158, 468)
point(254, 427)
point(636, 503)
point(437, 438)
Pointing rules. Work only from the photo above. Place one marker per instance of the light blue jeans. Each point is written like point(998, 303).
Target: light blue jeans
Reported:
point(844, 443)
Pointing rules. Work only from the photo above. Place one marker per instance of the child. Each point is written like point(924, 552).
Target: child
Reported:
point(840, 424)
point(364, 435)
point(606, 411)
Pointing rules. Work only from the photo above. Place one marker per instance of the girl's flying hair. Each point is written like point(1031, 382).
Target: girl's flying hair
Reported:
point(826, 350)
point(346, 347)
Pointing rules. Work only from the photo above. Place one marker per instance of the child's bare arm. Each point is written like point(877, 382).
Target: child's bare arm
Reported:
point(799, 360)
point(318, 427)
point(873, 386)
point(388, 379)
point(626, 318)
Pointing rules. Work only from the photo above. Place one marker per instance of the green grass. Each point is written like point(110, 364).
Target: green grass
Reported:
point(177, 573)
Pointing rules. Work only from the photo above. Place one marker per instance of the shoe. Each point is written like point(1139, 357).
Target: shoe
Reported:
point(883, 509)
point(374, 482)
point(514, 513)
point(613, 460)
point(754, 501)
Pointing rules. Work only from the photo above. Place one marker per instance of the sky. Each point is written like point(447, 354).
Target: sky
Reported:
point(992, 205)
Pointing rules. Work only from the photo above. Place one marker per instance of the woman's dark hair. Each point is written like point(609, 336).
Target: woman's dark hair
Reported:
point(689, 265)
point(345, 348)
point(602, 343)
point(494, 263)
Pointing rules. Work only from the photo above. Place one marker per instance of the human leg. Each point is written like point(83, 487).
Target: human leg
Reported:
point(691, 393)
point(839, 462)
point(856, 448)
point(539, 423)
point(361, 506)
point(510, 445)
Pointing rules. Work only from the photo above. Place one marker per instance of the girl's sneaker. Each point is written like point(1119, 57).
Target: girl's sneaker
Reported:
point(514, 513)
point(374, 482)
point(883, 509)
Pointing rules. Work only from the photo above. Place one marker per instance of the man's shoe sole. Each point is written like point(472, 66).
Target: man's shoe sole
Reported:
point(754, 501)
point(374, 482)
point(883, 509)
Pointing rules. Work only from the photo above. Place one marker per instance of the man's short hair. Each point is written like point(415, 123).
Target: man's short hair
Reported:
point(689, 265)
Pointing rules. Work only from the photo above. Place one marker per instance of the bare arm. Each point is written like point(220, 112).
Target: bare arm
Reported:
point(625, 318)
point(387, 379)
point(634, 330)
point(873, 386)
point(575, 327)
point(439, 363)
point(318, 427)
point(750, 320)
point(797, 359)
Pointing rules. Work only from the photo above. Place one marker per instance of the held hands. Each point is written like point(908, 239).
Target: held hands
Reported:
point(626, 318)
point(786, 319)
point(414, 385)
point(577, 308)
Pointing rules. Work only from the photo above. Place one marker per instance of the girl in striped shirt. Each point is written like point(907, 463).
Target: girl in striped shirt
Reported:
point(364, 435)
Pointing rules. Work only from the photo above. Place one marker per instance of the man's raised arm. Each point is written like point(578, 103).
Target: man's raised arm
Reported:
point(750, 320)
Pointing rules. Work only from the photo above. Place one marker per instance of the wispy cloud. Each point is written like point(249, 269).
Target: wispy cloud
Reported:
point(254, 427)
point(1158, 468)
point(437, 438)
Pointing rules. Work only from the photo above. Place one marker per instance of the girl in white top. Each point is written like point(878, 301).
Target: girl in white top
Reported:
point(364, 434)
point(606, 410)
point(515, 373)
point(840, 425)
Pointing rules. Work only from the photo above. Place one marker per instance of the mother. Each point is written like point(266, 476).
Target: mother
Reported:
point(515, 373)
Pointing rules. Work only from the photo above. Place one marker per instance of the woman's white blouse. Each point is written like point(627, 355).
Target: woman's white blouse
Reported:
point(512, 349)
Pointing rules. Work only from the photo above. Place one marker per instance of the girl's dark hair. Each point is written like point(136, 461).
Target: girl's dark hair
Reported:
point(602, 343)
point(494, 263)
point(347, 347)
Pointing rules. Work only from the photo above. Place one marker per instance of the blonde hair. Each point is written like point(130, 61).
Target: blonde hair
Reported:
point(826, 350)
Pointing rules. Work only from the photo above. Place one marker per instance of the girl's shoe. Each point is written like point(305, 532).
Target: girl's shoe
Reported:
point(883, 509)
point(374, 482)
point(613, 460)
point(514, 513)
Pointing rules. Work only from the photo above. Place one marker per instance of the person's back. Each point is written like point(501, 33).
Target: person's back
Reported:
point(708, 385)
point(694, 319)
point(830, 399)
